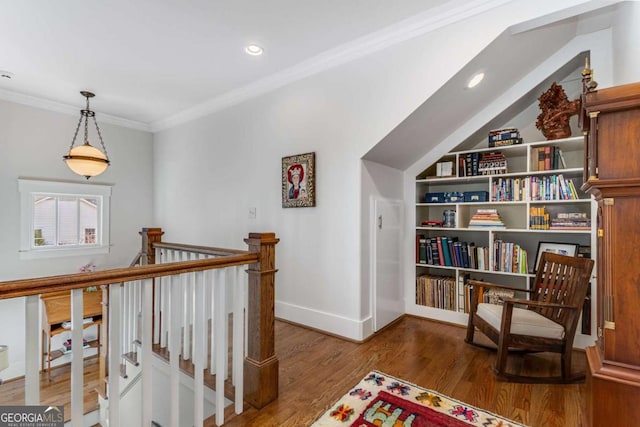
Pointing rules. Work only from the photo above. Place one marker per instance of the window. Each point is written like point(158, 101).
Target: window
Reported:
point(60, 219)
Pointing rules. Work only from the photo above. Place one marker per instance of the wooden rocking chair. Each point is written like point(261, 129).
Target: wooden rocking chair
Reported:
point(549, 321)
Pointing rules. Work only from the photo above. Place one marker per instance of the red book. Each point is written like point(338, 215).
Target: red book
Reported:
point(547, 158)
point(439, 240)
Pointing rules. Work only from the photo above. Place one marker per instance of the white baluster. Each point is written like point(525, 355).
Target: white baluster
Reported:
point(115, 352)
point(221, 345)
point(199, 348)
point(238, 340)
point(214, 279)
point(169, 258)
point(32, 371)
point(164, 301)
point(123, 324)
point(135, 307)
point(147, 331)
point(127, 305)
point(156, 313)
point(187, 311)
point(193, 310)
point(174, 349)
point(77, 359)
point(208, 295)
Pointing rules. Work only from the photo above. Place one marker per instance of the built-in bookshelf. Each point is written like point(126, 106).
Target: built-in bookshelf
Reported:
point(482, 213)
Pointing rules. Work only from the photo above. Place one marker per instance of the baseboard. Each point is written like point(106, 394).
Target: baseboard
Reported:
point(357, 330)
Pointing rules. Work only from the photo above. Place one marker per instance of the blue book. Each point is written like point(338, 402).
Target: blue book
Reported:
point(448, 261)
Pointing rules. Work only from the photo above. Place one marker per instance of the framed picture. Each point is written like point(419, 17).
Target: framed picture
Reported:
point(299, 181)
point(570, 249)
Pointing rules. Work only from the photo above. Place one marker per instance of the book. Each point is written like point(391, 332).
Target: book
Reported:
point(563, 163)
point(547, 158)
point(422, 259)
point(448, 261)
point(440, 250)
point(435, 253)
point(501, 136)
point(505, 142)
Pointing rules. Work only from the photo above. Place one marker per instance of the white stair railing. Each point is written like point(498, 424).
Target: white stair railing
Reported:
point(196, 293)
point(190, 308)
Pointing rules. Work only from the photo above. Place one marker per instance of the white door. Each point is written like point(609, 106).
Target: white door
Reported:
point(388, 295)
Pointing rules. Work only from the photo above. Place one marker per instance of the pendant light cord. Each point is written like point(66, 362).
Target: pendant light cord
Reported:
point(85, 114)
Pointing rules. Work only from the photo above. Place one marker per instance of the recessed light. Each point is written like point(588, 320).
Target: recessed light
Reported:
point(475, 80)
point(6, 74)
point(254, 50)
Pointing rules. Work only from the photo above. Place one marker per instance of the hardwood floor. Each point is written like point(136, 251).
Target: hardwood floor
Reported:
point(316, 369)
point(56, 391)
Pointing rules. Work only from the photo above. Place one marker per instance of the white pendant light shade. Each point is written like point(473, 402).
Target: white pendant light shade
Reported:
point(86, 160)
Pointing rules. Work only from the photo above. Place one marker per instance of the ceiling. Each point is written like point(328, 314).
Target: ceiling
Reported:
point(153, 64)
point(453, 105)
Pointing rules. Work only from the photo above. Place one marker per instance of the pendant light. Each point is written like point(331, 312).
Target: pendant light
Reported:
point(85, 159)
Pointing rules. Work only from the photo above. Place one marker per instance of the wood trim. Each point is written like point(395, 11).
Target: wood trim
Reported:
point(46, 285)
point(261, 364)
point(611, 372)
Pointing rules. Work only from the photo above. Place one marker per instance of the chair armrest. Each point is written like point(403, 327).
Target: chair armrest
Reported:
point(512, 301)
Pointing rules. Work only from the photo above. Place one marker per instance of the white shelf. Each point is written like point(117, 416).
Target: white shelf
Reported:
point(522, 162)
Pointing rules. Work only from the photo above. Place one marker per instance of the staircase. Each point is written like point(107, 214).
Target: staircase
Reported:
point(182, 322)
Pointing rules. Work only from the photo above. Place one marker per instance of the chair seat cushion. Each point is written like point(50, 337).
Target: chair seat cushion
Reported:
point(523, 321)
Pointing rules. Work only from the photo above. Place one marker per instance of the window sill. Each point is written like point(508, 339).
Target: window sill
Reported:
point(62, 252)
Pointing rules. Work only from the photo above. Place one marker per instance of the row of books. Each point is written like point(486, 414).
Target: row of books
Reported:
point(571, 221)
point(540, 219)
point(533, 188)
point(449, 252)
point(474, 164)
point(436, 291)
point(502, 137)
point(509, 257)
point(440, 292)
point(547, 158)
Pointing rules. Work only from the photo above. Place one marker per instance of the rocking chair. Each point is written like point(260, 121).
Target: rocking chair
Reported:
point(547, 324)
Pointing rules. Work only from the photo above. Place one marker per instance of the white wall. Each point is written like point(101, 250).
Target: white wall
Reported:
point(626, 44)
point(32, 143)
point(210, 171)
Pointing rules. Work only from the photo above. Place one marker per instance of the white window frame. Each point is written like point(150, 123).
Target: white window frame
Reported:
point(29, 188)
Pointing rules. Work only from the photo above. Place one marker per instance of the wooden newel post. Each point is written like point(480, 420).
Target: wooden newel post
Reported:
point(150, 236)
point(261, 363)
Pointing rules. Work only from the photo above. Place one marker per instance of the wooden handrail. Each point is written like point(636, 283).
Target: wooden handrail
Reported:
point(204, 250)
point(45, 285)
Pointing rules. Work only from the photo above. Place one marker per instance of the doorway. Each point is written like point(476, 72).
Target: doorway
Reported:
point(386, 271)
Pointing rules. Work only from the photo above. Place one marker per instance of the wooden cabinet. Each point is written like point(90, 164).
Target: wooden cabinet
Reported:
point(612, 133)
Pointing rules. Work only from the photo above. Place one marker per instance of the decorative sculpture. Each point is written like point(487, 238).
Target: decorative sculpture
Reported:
point(556, 109)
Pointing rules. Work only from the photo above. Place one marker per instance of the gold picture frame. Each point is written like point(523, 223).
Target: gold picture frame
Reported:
point(299, 181)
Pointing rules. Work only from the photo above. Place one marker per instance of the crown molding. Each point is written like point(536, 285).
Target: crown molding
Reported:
point(418, 25)
point(59, 107)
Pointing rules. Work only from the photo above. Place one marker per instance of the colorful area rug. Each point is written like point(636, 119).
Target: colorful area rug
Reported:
point(382, 400)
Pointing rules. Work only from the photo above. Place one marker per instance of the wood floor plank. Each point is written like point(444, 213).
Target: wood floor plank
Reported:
point(316, 369)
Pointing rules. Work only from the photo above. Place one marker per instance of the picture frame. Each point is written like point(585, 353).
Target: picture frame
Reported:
point(570, 249)
point(299, 181)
